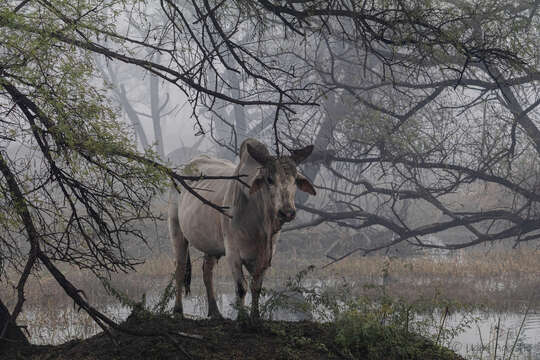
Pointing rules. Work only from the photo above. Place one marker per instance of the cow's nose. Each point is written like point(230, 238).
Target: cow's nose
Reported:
point(287, 214)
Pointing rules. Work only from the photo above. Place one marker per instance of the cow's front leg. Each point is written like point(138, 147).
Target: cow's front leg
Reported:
point(256, 286)
point(235, 265)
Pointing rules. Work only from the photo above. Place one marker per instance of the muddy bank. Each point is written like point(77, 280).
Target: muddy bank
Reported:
point(227, 339)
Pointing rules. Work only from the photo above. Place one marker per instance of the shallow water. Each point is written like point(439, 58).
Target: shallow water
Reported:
point(499, 334)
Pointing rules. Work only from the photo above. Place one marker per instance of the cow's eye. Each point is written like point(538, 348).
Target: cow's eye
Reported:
point(270, 180)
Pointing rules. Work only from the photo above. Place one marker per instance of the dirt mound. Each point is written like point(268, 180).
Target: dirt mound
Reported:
point(226, 339)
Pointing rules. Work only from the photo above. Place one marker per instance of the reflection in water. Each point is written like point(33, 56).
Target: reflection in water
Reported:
point(196, 306)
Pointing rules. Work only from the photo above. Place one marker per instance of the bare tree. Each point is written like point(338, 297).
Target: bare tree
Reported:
point(429, 124)
point(435, 99)
point(433, 102)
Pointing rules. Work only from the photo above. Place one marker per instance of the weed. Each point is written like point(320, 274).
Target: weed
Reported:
point(367, 325)
point(167, 296)
point(141, 308)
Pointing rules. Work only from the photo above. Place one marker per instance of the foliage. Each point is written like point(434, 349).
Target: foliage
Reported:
point(71, 172)
point(369, 326)
point(142, 308)
point(290, 298)
point(65, 144)
point(363, 335)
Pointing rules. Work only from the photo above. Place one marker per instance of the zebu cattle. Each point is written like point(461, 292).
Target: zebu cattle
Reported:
point(247, 238)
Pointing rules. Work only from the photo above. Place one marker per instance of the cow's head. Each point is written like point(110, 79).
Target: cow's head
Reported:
point(280, 179)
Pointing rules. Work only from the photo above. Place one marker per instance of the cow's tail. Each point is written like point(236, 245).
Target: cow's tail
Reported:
point(174, 227)
point(187, 275)
point(172, 216)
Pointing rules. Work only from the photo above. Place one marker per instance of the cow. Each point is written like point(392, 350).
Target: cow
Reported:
point(247, 237)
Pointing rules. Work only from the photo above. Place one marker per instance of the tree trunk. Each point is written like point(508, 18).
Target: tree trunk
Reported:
point(240, 122)
point(334, 112)
point(156, 115)
point(13, 332)
point(132, 115)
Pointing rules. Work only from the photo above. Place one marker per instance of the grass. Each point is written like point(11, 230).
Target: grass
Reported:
point(500, 280)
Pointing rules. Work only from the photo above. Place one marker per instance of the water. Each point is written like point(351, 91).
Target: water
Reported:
point(195, 306)
point(498, 334)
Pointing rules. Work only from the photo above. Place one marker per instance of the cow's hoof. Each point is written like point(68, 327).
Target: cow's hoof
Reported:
point(255, 315)
point(178, 312)
point(255, 320)
point(250, 323)
point(243, 315)
point(217, 316)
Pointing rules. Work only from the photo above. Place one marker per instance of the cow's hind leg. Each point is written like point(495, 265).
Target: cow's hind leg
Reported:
point(208, 268)
point(180, 246)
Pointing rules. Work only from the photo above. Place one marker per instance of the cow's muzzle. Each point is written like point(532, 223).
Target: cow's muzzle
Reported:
point(286, 215)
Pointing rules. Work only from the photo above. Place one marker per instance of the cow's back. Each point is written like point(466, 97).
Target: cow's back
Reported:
point(200, 223)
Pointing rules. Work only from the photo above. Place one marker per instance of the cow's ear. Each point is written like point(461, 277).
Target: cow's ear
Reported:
point(305, 185)
point(259, 153)
point(301, 154)
point(257, 183)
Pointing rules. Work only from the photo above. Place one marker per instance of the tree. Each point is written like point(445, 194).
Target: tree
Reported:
point(409, 68)
point(445, 90)
point(71, 173)
point(436, 104)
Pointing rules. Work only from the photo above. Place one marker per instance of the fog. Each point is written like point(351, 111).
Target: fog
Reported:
point(423, 118)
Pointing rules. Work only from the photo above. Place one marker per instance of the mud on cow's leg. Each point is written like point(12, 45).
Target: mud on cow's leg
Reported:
point(208, 268)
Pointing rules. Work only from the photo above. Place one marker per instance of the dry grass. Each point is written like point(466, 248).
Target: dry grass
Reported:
point(505, 273)
point(499, 279)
